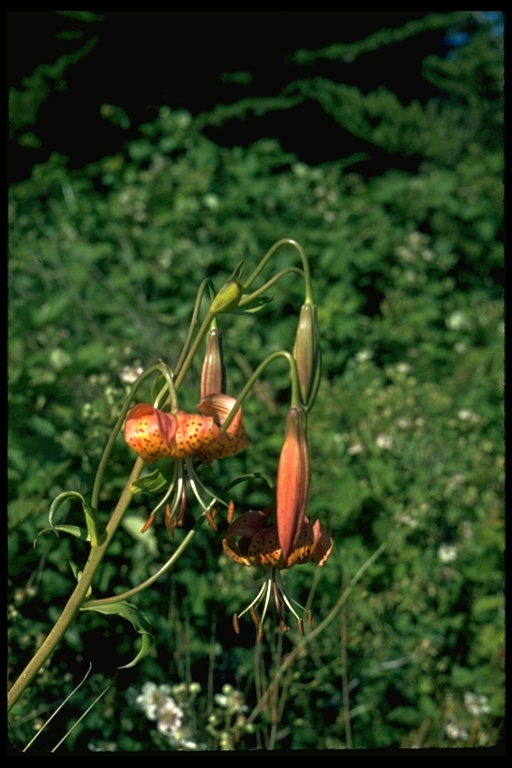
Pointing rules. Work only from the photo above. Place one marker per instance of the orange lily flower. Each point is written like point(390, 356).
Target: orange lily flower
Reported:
point(253, 541)
point(154, 434)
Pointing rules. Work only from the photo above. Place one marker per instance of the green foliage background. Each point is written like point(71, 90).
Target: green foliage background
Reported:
point(406, 436)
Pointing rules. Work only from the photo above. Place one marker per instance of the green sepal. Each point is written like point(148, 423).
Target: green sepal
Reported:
point(139, 622)
point(228, 298)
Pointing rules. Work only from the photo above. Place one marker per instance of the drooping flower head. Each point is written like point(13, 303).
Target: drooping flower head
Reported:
point(252, 540)
point(154, 434)
point(188, 438)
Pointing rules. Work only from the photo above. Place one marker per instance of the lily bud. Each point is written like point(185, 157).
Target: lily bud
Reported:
point(293, 479)
point(227, 298)
point(213, 373)
point(306, 352)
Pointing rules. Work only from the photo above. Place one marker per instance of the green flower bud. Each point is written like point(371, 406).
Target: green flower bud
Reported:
point(306, 352)
point(228, 297)
point(213, 373)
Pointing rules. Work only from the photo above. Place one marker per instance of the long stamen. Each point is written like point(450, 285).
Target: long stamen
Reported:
point(288, 599)
point(163, 501)
point(282, 622)
point(197, 485)
point(180, 489)
point(255, 602)
point(268, 585)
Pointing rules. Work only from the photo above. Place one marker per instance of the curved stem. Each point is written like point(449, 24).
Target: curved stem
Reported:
point(207, 283)
point(182, 370)
point(251, 296)
point(308, 286)
point(140, 587)
point(76, 599)
point(257, 373)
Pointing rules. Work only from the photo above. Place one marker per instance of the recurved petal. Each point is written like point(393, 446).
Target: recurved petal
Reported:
point(149, 431)
point(241, 532)
point(323, 543)
point(249, 523)
point(234, 439)
point(218, 406)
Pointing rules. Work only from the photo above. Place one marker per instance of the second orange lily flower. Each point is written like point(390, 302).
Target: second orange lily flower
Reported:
point(154, 434)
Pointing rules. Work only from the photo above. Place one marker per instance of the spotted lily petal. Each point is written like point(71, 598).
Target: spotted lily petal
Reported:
point(241, 533)
point(149, 432)
point(251, 540)
point(195, 434)
point(313, 543)
point(234, 439)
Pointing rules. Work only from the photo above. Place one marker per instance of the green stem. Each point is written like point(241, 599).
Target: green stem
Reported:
point(250, 297)
point(207, 283)
point(308, 286)
point(131, 592)
point(76, 599)
point(181, 371)
point(295, 399)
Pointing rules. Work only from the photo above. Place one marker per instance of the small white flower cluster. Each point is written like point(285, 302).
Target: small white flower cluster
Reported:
point(456, 732)
point(158, 705)
point(476, 705)
point(227, 723)
point(447, 553)
point(385, 442)
point(231, 699)
point(130, 373)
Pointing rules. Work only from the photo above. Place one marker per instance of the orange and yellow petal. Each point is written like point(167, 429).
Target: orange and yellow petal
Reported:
point(149, 432)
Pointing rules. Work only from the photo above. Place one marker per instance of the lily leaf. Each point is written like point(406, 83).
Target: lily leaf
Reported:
point(154, 482)
point(73, 530)
point(77, 573)
point(139, 622)
point(89, 512)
